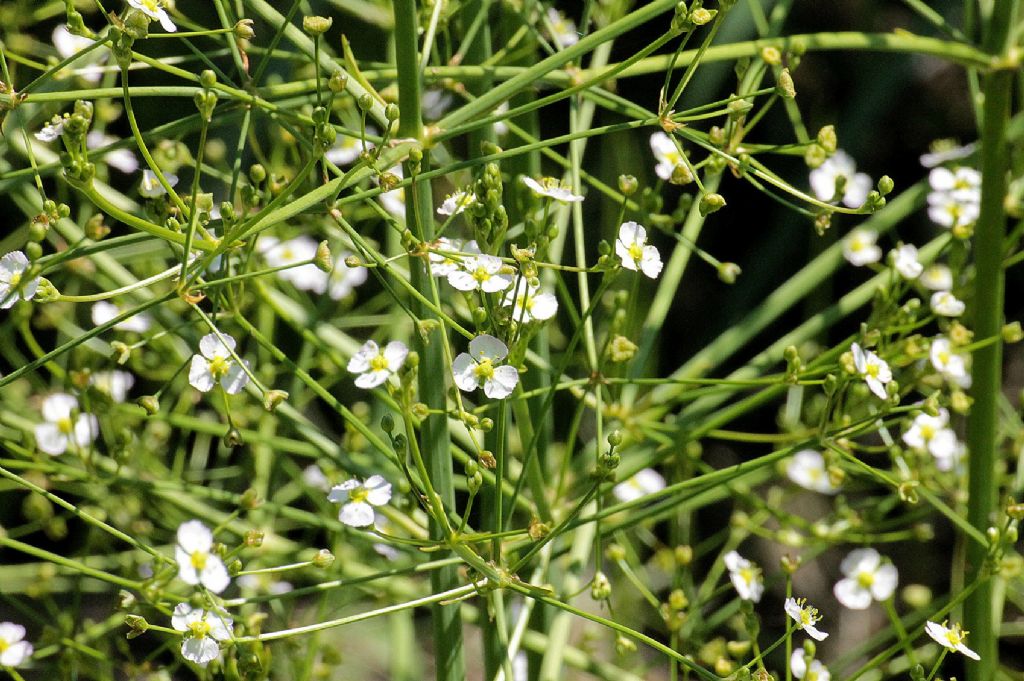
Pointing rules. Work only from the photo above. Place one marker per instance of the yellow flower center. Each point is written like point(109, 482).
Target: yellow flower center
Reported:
point(811, 676)
point(219, 366)
point(866, 579)
point(358, 495)
point(199, 629)
point(484, 370)
point(857, 245)
point(65, 425)
point(927, 432)
point(481, 274)
point(944, 357)
point(871, 370)
point(14, 280)
point(748, 575)
point(379, 363)
point(198, 559)
point(636, 251)
point(4, 645)
point(955, 636)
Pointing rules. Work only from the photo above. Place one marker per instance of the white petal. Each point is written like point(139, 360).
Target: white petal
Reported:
point(651, 263)
point(199, 376)
point(182, 617)
point(486, 346)
point(395, 353)
point(194, 536)
point(851, 594)
point(464, 374)
point(886, 579)
point(372, 379)
point(214, 575)
point(16, 654)
point(236, 378)
point(503, 383)
point(50, 440)
point(860, 560)
point(58, 406)
point(631, 232)
point(186, 571)
point(462, 280)
point(378, 490)
point(357, 514)
point(211, 346)
point(166, 22)
point(202, 651)
point(86, 429)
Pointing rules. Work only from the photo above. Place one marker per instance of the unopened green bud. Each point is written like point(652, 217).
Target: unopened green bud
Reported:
point(137, 625)
point(728, 272)
point(827, 139)
point(683, 555)
point(738, 108)
point(716, 136)
point(233, 438)
point(615, 438)
point(244, 29)
point(338, 82)
point(323, 260)
point(316, 25)
point(681, 175)
point(391, 112)
point(710, 203)
point(272, 399)
point(624, 646)
point(475, 482)
point(486, 424)
point(150, 403)
point(1012, 333)
point(323, 559)
point(677, 600)
point(365, 102)
point(786, 88)
point(34, 251)
point(250, 500)
point(600, 588)
point(257, 173)
point(885, 185)
point(1015, 510)
point(207, 79)
point(789, 564)
point(628, 184)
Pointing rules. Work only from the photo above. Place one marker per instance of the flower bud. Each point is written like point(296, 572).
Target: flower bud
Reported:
point(677, 600)
point(365, 102)
point(316, 26)
point(786, 88)
point(716, 136)
point(701, 16)
point(250, 500)
point(681, 175)
point(233, 438)
point(1012, 333)
point(34, 251)
point(624, 646)
point(728, 271)
point(244, 29)
point(122, 351)
point(150, 403)
point(683, 555)
point(885, 185)
point(537, 530)
point(827, 139)
point(487, 460)
point(600, 588)
point(710, 203)
point(621, 349)
point(391, 112)
point(254, 539)
point(323, 559)
point(257, 173)
point(137, 625)
point(615, 438)
point(272, 399)
point(771, 55)
point(207, 79)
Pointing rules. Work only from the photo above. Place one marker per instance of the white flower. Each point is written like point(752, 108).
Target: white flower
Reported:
point(946, 304)
point(807, 469)
point(477, 366)
point(215, 363)
point(946, 210)
point(949, 363)
point(482, 272)
point(359, 498)
point(945, 150)
point(867, 578)
point(962, 184)
point(815, 671)
point(345, 150)
point(642, 483)
point(634, 251)
point(150, 186)
point(52, 130)
point(873, 369)
point(529, 304)
point(805, 616)
point(456, 202)
point(501, 127)
point(375, 365)
point(115, 384)
point(841, 165)
point(745, 576)
point(552, 189)
point(13, 285)
point(904, 260)
point(122, 159)
point(933, 434)
point(264, 583)
point(13, 649)
point(442, 264)
point(667, 155)
point(196, 562)
point(102, 312)
point(60, 430)
point(153, 10)
point(434, 102)
point(289, 254)
point(69, 44)
point(951, 638)
point(203, 630)
point(344, 279)
point(937, 277)
point(859, 247)
point(394, 200)
point(563, 30)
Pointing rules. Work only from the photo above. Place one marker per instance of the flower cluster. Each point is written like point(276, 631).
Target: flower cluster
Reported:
point(955, 197)
point(837, 179)
point(296, 256)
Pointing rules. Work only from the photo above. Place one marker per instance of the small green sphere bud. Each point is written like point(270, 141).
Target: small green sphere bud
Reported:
point(479, 316)
point(150, 403)
point(677, 600)
point(710, 203)
point(615, 438)
point(365, 102)
point(615, 552)
point(257, 173)
point(681, 175)
point(316, 25)
point(1015, 510)
point(628, 184)
point(207, 79)
point(1012, 333)
point(38, 228)
point(486, 424)
point(475, 482)
point(917, 595)
point(827, 139)
point(789, 564)
point(771, 55)
point(33, 250)
point(885, 185)
point(338, 82)
point(391, 112)
point(387, 423)
point(728, 272)
point(683, 555)
point(323, 559)
point(233, 438)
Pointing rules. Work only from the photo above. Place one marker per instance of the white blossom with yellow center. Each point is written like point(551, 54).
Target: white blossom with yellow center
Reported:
point(154, 10)
point(375, 364)
point(13, 284)
point(805, 616)
point(480, 272)
point(358, 499)
point(64, 426)
point(197, 564)
point(14, 651)
point(951, 638)
point(203, 631)
point(745, 576)
point(215, 363)
point(859, 247)
point(477, 367)
point(635, 253)
point(867, 578)
point(873, 369)
point(807, 469)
